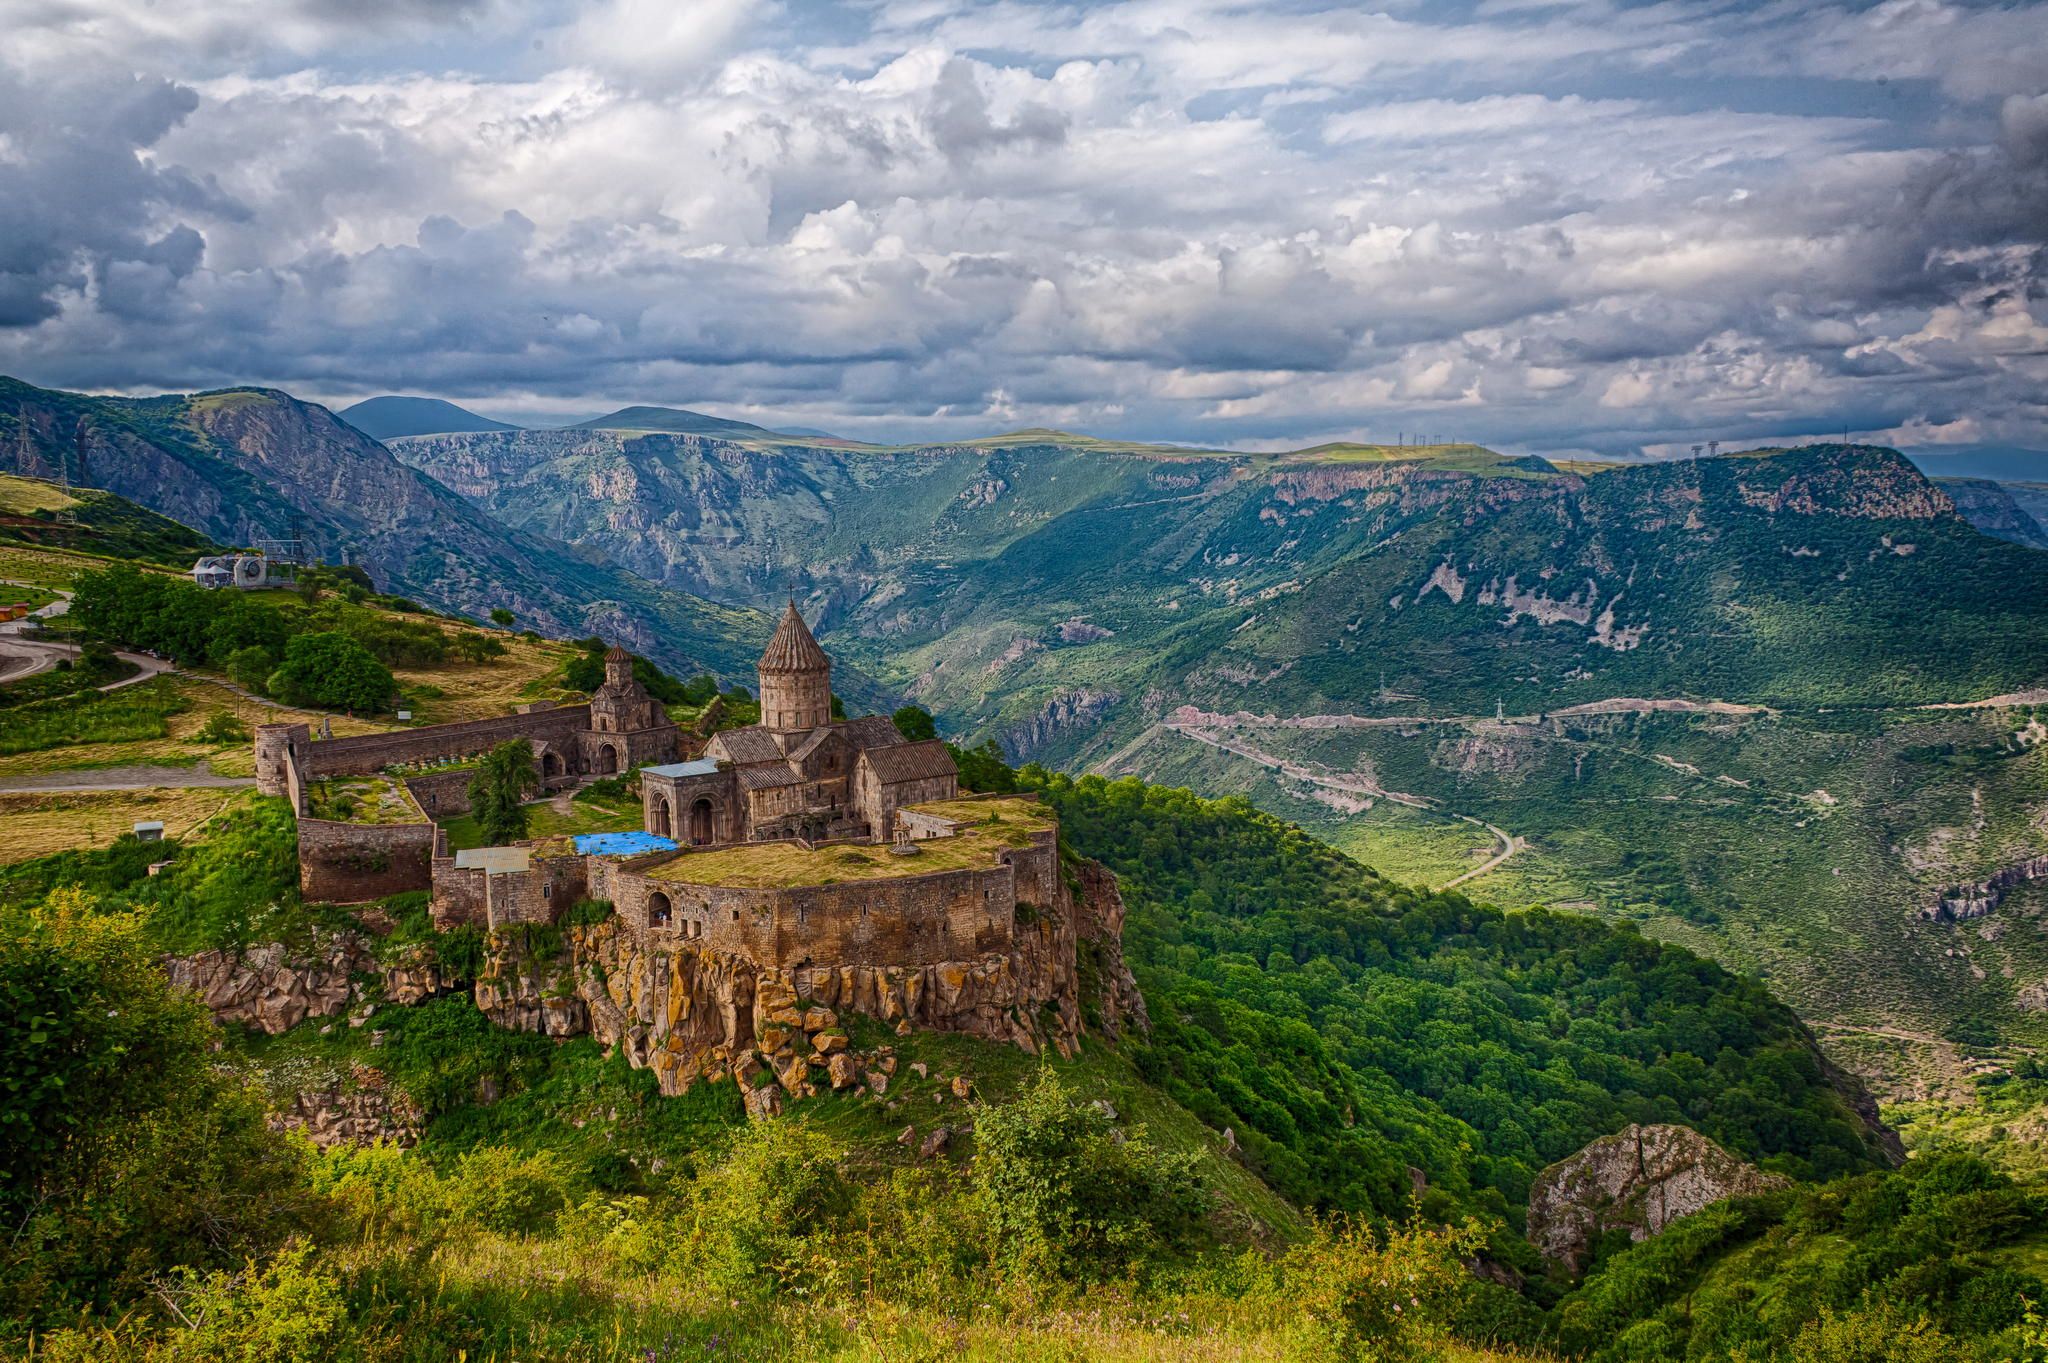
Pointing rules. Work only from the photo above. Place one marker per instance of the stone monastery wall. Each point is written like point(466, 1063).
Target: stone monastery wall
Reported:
point(558, 726)
point(352, 863)
point(912, 920)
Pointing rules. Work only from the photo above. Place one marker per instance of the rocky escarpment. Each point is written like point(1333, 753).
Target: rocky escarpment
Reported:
point(361, 1109)
point(1980, 897)
point(274, 988)
point(1639, 1180)
point(691, 1013)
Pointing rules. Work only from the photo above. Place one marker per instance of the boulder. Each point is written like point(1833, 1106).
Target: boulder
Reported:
point(842, 1071)
point(764, 1102)
point(935, 1144)
point(1640, 1180)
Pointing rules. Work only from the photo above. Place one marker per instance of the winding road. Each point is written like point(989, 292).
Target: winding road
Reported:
point(1348, 783)
point(21, 657)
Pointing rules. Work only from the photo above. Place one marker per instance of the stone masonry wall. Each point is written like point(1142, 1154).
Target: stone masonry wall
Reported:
point(441, 793)
point(350, 863)
point(367, 753)
point(916, 920)
point(690, 1011)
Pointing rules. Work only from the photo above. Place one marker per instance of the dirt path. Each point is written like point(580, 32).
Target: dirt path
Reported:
point(136, 777)
point(1509, 845)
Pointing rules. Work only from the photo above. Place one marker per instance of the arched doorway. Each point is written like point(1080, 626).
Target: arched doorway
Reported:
point(658, 825)
point(550, 767)
point(700, 822)
point(659, 910)
point(607, 760)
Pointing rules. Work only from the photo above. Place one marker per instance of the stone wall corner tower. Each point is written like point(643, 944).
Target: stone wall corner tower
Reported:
point(796, 679)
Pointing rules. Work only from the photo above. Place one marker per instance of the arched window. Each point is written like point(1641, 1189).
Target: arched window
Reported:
point(659, 910)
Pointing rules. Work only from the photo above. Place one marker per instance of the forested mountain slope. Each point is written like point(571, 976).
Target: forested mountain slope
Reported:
point(1056, 594)
point(248, 464)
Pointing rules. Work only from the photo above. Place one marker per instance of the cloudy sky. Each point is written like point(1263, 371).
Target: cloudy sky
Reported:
point(1544, 225)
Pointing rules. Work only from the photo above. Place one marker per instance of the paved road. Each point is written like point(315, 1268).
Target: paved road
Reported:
point(21, 657)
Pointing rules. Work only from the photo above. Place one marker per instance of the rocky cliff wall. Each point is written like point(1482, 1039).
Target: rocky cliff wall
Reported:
point(690, 1011)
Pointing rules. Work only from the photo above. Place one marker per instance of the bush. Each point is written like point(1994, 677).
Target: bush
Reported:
point(222, 727)
point(509, 1192)
point(1062, 1194)
point(124, 1151)
point(331, 670)
point(757, 1220)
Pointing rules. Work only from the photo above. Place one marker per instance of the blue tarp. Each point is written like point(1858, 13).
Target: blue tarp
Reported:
point(622, 844)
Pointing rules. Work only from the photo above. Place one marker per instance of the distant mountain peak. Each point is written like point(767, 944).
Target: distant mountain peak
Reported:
point(673, 421)
point(391, 418)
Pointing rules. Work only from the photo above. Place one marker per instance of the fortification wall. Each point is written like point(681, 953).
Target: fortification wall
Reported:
point(911, 921)
point(459, 896)
point(365, 753)
point(351, 863)
point(441, 793)
point(1038, 870)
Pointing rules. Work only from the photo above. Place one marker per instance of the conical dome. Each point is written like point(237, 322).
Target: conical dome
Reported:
point(793, 649)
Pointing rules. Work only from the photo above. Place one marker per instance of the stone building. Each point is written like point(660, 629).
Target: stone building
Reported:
point(348, 862)
point(798, 773)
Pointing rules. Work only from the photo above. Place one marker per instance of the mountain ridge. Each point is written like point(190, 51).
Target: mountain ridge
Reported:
point(243, 464)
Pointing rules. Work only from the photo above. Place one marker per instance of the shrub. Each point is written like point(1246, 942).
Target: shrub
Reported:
point(222, 727)
point(1062, 1194)
point(509, 1192)
point(757, 1219)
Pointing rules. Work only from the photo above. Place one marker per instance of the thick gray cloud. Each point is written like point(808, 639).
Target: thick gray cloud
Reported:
point(1545, 225)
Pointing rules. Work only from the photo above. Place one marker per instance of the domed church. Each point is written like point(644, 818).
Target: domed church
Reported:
point(797, 773)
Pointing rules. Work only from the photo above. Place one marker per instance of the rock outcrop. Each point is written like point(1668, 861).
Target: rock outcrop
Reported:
point(360, 1112)
point(274, 988)
point(269, 987)
point(692, 1013)
point(1641, 1181)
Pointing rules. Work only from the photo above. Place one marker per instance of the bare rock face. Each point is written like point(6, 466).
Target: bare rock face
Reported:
point(689, 1013)
point(362, 1112)
point(1640, 1180)
point(269, 988)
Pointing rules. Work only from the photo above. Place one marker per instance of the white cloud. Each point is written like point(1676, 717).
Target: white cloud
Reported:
point(1200, 219)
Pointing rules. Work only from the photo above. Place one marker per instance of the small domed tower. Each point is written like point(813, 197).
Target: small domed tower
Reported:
point(618, 668)
point(796, 678)
point(622, 705)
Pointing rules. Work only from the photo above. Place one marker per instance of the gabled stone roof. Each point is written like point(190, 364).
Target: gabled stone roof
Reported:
point(751, 744)
point(871, 731)
point(793, 649)
point(767, 776)
point(911, 761)
point(818, 739)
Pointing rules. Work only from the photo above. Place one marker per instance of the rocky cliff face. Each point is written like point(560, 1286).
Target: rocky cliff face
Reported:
point(1640, 1180)
point(690, 1013)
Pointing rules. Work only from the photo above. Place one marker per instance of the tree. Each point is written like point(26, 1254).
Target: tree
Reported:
point(1062, 1193)
point(477, 648)
point(331, 670)
point(124, 1148)
point(498, 790)
point(501, 617)
point(251, 667)
point(915, 723)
